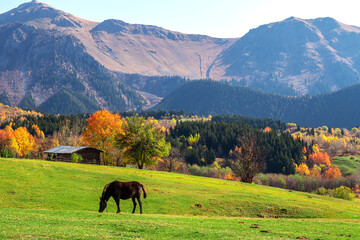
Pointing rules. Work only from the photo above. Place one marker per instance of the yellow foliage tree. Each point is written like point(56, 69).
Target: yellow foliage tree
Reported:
point(24, 140)
point(12, 145)
point(38, 133)
point(303, 169)
point(2, 116)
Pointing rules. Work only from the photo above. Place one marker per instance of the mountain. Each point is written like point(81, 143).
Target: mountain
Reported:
point(38, 64)
point(294, 56)
point(49, 57)
point(337, 109)
point(127, 48)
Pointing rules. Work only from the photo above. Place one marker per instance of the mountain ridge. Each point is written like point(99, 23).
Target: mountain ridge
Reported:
point(299, 54)
point(291, 57)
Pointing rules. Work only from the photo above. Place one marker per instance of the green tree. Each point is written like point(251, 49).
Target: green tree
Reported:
point(142, 141)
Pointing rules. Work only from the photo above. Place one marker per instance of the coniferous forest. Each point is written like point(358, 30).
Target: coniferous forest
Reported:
point(338, 109)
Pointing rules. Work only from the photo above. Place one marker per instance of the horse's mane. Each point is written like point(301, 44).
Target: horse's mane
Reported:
point(104, 191)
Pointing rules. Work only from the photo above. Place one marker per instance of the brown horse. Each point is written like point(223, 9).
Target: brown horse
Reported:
point(122, 190)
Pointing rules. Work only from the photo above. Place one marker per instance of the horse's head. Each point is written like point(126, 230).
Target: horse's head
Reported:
point(103, 204)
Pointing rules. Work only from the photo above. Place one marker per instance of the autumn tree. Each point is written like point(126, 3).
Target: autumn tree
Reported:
point(333, 172)
point(303, 169)
point(12, 147)
point(173, 162)
point(100, 131)
point(38, 133)
point(193, 139)
point(5, 141)
point(247, 158)
point(142, 141)
point(318, 158)
point(25, 141)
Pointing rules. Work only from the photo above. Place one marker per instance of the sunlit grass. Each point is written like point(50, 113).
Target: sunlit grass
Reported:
point(348, 165)
point(41, 199)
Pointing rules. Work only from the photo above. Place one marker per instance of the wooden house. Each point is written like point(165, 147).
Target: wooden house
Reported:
point(63, 154)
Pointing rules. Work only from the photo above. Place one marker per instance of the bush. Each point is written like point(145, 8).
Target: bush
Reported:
point(321, 191)
point(76, 158)
point(306, 183)
point(209, 171)
point(342, 192)
point(7, 153)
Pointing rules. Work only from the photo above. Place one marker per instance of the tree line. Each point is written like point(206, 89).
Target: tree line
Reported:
point(338, 109)
point(202, 141)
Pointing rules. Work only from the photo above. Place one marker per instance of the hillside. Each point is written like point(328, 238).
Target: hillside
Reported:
point(8, 113)
point(39, 66)
point(338, 109)
point(43, 199)
point(27, 181)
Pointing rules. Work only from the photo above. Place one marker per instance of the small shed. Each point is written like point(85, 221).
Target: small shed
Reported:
point(63, 154)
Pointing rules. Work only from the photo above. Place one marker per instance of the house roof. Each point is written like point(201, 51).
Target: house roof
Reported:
point(68, 149)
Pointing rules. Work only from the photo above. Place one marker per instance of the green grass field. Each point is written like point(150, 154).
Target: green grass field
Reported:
point(42, 199)
point(348, 165)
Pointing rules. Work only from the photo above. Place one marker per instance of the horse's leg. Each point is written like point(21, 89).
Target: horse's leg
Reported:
point(117, 200)
point(140, 203)
point(134, 202)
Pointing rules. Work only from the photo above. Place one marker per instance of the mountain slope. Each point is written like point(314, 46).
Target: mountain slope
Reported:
point(40, 44)
point(338, 109)
point(37, 63)
point(305, 56)
point(128, 48)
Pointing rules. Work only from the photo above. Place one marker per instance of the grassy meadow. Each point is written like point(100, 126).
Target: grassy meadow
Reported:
point(347, 164)
point(41, 199)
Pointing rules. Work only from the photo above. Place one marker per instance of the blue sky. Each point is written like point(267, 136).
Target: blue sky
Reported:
point(217, 18)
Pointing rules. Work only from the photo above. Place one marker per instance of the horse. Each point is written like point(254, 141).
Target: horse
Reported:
point(122, 190)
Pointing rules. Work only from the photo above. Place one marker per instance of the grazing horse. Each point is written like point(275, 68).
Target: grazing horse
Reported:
point(122, 190)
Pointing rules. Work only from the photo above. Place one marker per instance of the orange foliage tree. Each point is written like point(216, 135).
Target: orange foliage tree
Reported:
point(12, 146)
point(229, 176)
point(318, 158)
point(267, 129)
point(5, 140)
point(333, 172)
point(101, 128)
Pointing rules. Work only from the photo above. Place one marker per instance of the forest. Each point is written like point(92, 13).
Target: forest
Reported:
point(202, 142)
point(213, 146)
point(210, 97)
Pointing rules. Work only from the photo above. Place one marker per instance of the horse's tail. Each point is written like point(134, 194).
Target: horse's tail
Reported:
point(143, 190)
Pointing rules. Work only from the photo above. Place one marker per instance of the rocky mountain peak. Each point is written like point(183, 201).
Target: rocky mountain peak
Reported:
point(38, 12)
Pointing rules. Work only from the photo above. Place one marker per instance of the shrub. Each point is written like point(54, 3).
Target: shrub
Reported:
point(321, 191)
point(76, 158)
point(209, 171)
point(262, 179)
point(5, 153)
point(342, 192)
point(306, 183)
